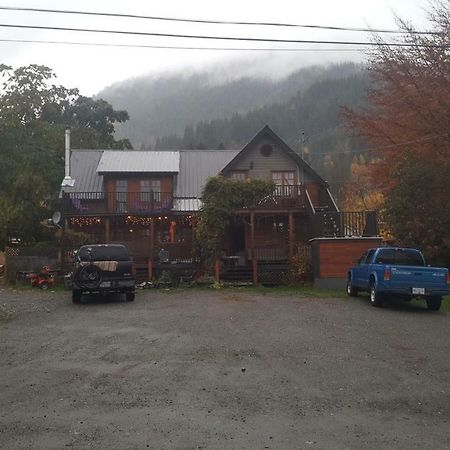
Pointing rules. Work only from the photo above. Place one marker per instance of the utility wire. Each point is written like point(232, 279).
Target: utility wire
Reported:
point(215, 22)
point(169, 47)
point(226, 38)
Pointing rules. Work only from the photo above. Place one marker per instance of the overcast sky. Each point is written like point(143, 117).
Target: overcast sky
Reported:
point(92, 68)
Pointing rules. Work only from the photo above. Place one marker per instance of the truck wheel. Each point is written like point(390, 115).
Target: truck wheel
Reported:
point(76, 296)
point(376, 298)
point(351, 290)
point(130, 296)
point(434, 303)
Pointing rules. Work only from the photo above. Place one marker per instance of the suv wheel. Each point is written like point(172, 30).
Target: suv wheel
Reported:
point(434, 303)
point(375, 297)
point(130, 296)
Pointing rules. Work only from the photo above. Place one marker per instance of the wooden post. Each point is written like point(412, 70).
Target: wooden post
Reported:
point(107, 230)
point(150, 269)
point(255, 270)
point(217, 271)
point(252, 233)
point(152, 239)
point(62, 246)
point(291, 235)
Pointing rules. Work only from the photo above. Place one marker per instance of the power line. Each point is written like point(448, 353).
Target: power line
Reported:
point(214, 22)
point(223, 38)
point(169, 47)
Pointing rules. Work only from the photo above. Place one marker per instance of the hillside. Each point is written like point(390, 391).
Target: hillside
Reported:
point(165, 105)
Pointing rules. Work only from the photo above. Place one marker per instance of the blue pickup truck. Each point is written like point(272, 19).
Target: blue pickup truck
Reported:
point(398, 272)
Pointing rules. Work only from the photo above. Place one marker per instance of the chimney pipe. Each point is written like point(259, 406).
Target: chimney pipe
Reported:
point(67, 155)
point(68, 180)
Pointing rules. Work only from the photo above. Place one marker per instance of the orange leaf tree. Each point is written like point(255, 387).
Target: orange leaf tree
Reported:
point(407, 123)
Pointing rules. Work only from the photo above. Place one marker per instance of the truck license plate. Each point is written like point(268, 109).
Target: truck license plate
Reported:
point(108, 284)
point(418, 291)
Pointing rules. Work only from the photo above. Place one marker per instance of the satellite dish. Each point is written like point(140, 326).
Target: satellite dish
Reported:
point(56, 218)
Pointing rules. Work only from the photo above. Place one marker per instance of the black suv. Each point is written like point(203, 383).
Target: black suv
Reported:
point(103, 269)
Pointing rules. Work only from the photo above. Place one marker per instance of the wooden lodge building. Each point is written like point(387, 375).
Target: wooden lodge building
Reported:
point(149, 200)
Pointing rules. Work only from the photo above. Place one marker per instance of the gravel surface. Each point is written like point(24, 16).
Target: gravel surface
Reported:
point(199, 369)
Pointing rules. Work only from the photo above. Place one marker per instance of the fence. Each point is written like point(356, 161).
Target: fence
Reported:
point(28, 259)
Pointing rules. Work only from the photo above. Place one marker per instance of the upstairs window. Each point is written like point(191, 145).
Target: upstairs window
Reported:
point(150, 190)
point(284, 182)
point(239, 175)
point(284, 178)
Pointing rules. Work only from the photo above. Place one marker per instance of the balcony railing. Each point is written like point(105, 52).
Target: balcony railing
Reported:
point(345, 224)
point(93, 203)
point(283, 197)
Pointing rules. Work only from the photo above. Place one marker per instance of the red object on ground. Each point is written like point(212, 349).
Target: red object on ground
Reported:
point(42, 280)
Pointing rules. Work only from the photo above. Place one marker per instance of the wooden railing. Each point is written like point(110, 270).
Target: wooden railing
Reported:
point(345, 224)
point(91, 203)
point(283, 197)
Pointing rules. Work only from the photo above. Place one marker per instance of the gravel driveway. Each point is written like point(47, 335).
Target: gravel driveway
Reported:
point(221, 369)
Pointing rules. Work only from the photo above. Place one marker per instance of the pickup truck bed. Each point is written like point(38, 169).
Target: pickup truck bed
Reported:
point(401, 272)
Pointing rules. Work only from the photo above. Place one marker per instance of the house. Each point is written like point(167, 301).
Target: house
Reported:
point(149, 200)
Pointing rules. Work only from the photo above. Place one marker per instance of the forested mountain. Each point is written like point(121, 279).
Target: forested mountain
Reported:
point(195, 112)
point(164, 106)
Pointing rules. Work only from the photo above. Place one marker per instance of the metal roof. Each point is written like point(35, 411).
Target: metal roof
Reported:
point(196, 166)
point(113, 161)
point(83, 168)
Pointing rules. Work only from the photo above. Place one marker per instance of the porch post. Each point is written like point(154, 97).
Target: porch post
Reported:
point(217, 271)
point(152, 239)
point(291, 235)
point(150, 269)
point(252, 233)
point(255, 271)
point(107, 230)
point(252, 243)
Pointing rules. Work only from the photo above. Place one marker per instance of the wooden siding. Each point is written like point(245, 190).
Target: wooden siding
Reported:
point(333, 257)
point(313, 189)
point(260, 166)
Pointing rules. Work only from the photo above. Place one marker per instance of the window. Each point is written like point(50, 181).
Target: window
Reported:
point(369, 256)
point(285, 178)
point(150, 190)
point(362, 260)
point(239, 175)
point(121, 195)
point(400, 257)
point(284, 182)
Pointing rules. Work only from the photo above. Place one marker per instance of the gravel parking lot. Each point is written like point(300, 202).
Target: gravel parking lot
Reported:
point(193, 369)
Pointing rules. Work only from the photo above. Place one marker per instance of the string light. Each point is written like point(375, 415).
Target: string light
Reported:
point(85, 221)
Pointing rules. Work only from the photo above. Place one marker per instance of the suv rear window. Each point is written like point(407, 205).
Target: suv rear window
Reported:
point(104, 253)
point(399, 257)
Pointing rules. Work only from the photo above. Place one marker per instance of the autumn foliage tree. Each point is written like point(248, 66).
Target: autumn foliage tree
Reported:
point(407, 124)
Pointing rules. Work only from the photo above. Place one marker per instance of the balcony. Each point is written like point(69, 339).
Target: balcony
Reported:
point(284, 197)
point(116, 203)
point(345, 224)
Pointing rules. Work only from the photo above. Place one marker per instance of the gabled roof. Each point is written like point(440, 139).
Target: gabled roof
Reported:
point(113, 161)
point(268, 132)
